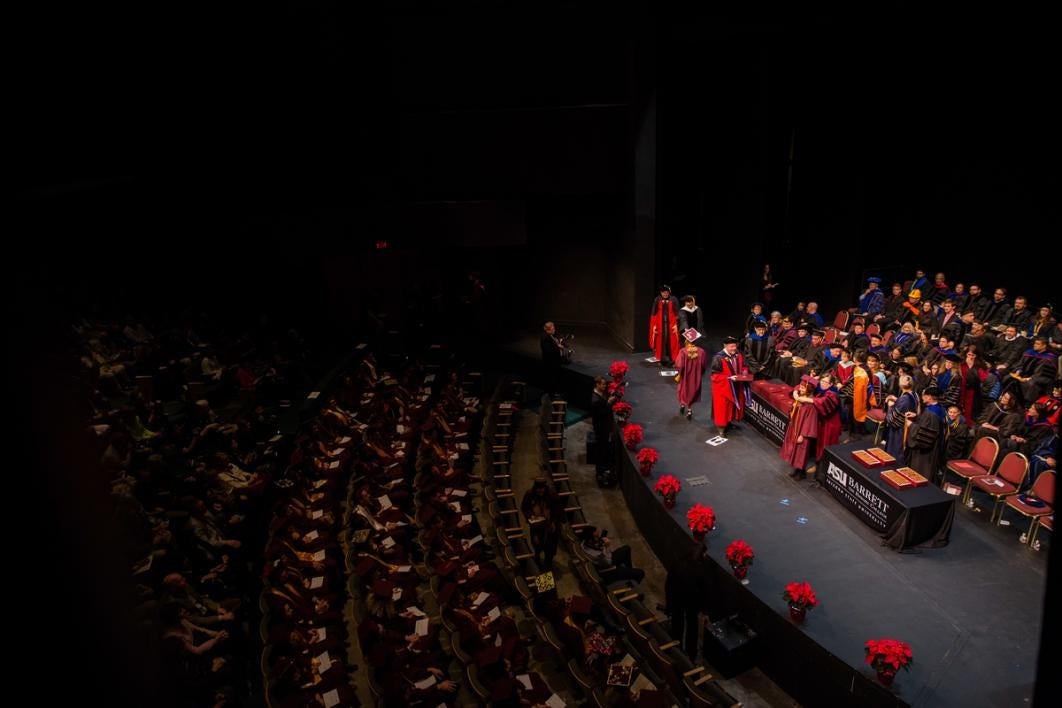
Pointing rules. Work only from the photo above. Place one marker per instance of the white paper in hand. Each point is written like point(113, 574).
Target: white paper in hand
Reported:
point(331, 698)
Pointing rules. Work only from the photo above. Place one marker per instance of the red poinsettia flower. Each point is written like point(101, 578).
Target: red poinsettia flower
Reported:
point(668, 485)
point(623, 410)
point(617, 389)
point(648, 456)
point(739, 553)
point(800, 595)
point(889, 654)
point(618, 369)
point(632, 435)
point(701, 518)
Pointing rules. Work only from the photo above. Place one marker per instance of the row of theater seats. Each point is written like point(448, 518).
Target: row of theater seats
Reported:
point(615, 608)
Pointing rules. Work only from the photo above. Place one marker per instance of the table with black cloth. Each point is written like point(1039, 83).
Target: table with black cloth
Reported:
point(904, 517)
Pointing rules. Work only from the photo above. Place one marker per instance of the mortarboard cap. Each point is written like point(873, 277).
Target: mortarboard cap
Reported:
point(364, 566)
point(953, 358)
point(873, 279)
point(759, 324)
point(818, 333)
point(931, 390)
point(836, 345)
point(730, 340)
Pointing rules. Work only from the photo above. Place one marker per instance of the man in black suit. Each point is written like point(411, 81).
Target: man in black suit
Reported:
point(551, 357)
point(603, 419)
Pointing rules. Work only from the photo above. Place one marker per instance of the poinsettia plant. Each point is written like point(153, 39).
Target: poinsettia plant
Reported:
point(632, 435)
point(622, 410)
point(739, 553)
point(800, 595)
point(668, 484)
point(617, 389)
point(889, 654)
point(647, 457)
point(701, 518)
point(618, 369)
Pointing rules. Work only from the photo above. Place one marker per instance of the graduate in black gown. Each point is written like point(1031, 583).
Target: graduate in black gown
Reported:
point(925, 435)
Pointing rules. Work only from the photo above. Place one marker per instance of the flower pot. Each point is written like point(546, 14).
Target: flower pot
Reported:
point(647, 470)
point(885, 676)
point(798, 613)
point(698, 536)
point(740, 571)
point(669, 501)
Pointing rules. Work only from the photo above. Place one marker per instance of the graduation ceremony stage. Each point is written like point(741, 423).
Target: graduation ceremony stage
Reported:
point(971, 610)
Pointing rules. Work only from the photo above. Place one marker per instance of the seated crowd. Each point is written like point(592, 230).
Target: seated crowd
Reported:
point(985, 366)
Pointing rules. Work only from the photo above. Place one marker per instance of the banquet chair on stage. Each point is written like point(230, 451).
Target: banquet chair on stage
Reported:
point(981, 461)
point(840, 321)
point(1008, 479)
point(1047, 522)
point(1043, 491)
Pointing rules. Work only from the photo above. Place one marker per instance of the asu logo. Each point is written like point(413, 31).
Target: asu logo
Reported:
point(837, 473)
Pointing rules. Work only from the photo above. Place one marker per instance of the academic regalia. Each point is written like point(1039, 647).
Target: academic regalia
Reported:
point(872, 302)
point(663, 329)
point(758, 352)
point(925, 440)
point(803, 420)
point(896, 422)
point(691, 373)
point(728, 397)
point(956, 439)
point(971, 379)
point(828, 406)
point(688, 318)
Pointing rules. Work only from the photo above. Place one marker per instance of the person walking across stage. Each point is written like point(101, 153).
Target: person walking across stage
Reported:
point(687, 592)
point(602, 417)
point(663, 327)
point(730, 392)
point(691, 364)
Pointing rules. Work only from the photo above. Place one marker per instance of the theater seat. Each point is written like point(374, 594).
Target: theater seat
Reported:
point(980, 463)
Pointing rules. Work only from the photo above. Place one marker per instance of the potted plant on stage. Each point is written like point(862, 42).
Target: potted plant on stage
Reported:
point(801, 598)
point(702, 520)
point(623, 412)
point(888, 656)
point(618, 370)
point(647, 457)
point(667, 487)
point(632, 435)
point(617, 389)
point(740, 556)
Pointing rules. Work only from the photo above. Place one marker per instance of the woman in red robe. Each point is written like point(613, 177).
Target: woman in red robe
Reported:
point(663, 327)
point(803, 428)
point(828, 406)
point(691, 363)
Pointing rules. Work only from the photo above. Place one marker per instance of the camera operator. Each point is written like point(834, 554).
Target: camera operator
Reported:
point(552, 357)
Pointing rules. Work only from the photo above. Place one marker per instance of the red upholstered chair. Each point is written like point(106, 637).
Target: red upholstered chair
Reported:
point(841, 320)
point(872, 328)
point(1008, 479)
point(1044, 490)
point(877, 417)
point(831, 335)
point(887, 336)
point(1048, 522)
point(980, 462)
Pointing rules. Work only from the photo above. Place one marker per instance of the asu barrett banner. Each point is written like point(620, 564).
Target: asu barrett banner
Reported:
point(766, 419)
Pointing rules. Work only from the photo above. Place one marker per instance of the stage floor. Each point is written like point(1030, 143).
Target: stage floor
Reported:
point(966, 609)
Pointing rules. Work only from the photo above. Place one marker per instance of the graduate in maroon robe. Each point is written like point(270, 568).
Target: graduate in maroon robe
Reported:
point(803, 428)
point(691, 363)
point(663, 327)
point(729, 396)
point(828, 406)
